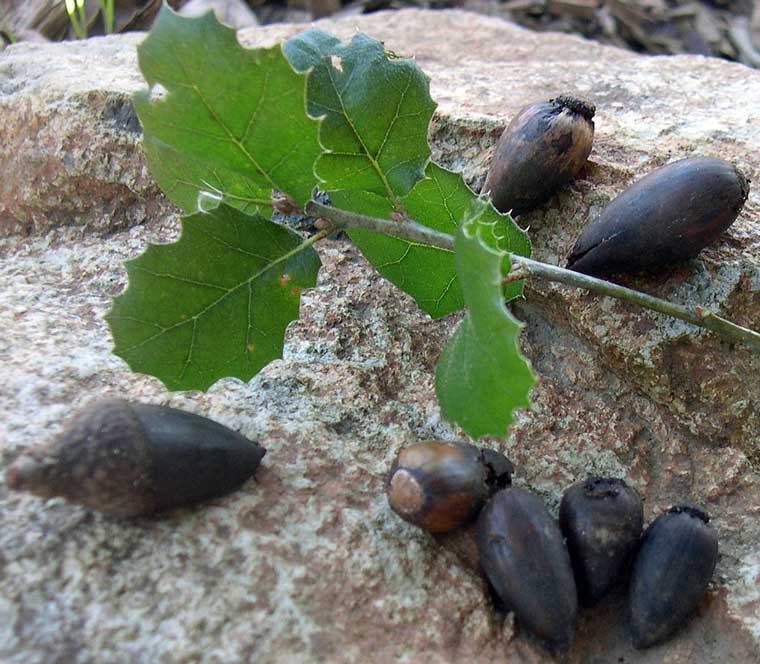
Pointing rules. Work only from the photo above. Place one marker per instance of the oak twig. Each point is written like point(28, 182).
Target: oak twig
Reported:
point(527, 267)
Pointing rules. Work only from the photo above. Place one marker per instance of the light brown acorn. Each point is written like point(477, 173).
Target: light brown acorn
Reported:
point(542, 149)
point(129, 459)
point(440, 485)
point(667, 216)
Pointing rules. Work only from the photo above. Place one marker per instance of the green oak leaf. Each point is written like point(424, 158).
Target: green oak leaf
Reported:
point(481, 375)
point(222, 118)
point(428, 273)
point(216, 302)
point(376, 109)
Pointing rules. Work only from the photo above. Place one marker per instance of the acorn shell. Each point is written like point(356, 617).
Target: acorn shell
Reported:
point(671, 573)
point(601, 519)
point(525, 559)
point(542, 149)
point(439, 485)
point(668, 216)
point(129, 459)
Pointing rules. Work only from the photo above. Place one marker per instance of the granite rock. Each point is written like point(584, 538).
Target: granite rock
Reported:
point(307, 562)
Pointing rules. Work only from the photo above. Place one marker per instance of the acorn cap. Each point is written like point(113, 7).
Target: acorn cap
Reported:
point(582, 107)
point(128, 459)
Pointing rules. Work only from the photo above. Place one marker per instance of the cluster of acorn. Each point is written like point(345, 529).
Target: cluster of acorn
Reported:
point(128, 459)
point(669, 215)
point(540, 570)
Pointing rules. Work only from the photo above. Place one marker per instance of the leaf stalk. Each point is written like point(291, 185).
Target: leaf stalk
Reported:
point(406, 229)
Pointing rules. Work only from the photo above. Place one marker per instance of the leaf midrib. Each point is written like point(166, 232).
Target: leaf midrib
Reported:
point(232, 138)
point(372, 159)
point(228, 292)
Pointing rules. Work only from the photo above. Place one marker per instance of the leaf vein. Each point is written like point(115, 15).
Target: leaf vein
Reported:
point(175, 277)
point(395, 116)
point(368, 154)
point(217, 301)
point(232, 247)
point(258, 108)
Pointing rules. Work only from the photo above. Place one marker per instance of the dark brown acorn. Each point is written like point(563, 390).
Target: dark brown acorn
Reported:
point(130, 459)
point(542, 149)
point(523, 555)
point(601, 519)
point(439, 485)
point(671, 573)
point(668, 216)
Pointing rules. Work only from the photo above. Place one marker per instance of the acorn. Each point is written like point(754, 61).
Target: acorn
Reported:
point(130, 459)
point(601, 519)
point(671, 573)
point(524, 557)
point(440, 485)
point(667, 216)
point(542, 149)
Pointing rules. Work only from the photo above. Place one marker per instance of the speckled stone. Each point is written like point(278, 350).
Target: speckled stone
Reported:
point(306, 562)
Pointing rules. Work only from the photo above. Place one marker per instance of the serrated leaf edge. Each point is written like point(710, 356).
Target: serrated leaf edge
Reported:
point(210, 17)
point(392, 196)
point(471, 228)
point(152, 246)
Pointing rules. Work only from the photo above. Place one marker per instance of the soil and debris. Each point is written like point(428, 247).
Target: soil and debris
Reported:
point(725, 29)
point(728, 29)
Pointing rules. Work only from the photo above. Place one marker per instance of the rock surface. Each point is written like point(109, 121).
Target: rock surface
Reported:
point(307, 562)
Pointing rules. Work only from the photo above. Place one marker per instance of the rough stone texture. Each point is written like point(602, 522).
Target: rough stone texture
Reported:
point(70, 138)
point(306, 562)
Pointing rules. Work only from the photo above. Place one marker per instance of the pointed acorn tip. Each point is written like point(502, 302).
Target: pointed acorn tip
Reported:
point(499, 468)
point(21, 474)
point(585, 109)
point(13, 478)
point(561, 646)
point(603, 487)
point(257, 454)
point(744, 182)
point(643, 638)
point(691, 510)
point(639, 643)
